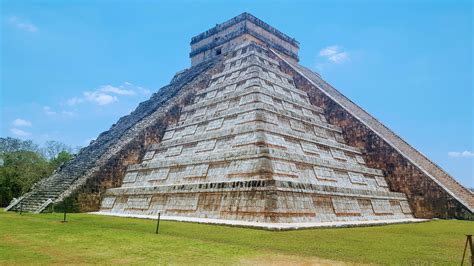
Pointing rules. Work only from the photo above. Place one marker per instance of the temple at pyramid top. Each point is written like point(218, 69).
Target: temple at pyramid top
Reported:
point(242, 28)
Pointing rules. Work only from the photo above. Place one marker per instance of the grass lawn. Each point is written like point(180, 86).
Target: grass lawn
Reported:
point(86, 238)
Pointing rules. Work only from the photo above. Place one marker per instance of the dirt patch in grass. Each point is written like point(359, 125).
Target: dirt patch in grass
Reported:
point(283, 260)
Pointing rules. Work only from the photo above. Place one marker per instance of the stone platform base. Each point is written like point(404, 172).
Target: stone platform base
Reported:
point(267, 226)
point(260, 201)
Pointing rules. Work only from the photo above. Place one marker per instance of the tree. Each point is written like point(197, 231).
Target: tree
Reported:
point(24, 164)
point(21, 169)
point(52, 148)
point(61, 158)
point(11, 144)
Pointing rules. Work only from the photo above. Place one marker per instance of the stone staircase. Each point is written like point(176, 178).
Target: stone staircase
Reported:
point(43, 194)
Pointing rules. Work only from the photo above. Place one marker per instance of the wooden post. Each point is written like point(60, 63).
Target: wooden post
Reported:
point(65, 209)
point(21, 207)
point(468, 242)
point(158, 223)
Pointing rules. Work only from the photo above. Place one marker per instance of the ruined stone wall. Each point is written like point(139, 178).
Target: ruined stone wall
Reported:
point(427, 199)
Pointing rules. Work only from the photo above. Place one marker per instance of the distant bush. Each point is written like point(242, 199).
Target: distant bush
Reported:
point(22, 164)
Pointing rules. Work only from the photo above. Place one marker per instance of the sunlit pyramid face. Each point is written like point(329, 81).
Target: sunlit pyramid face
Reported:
point(252, 148)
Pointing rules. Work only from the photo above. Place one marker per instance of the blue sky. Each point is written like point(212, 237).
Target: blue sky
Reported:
point(70, 69)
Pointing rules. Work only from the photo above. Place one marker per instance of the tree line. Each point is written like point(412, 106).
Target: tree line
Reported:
point(23, 163)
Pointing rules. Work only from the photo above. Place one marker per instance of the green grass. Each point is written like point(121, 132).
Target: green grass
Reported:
point(43, 239)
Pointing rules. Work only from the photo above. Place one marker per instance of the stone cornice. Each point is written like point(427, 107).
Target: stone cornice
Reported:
point(240, 32)
point(239, 18)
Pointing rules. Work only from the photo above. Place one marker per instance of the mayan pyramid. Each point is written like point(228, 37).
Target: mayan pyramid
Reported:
point(248, 135)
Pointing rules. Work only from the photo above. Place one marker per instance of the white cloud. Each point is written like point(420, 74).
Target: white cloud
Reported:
point(119, 91)
point(107, 94)
point(47, 110)
point(339, 57)
point(135, 87)
point(334, 54)
point(99, 97)
point(22, 24)
point(50, 112)
point(18, 132)
point(74, 100)
point(67, 113)
point(329, 50)
point(143, 90)
point(464, 154)
point(21, 123)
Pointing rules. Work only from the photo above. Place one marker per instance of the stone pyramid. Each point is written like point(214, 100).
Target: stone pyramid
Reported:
point(248, 136)
point(251, 147)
